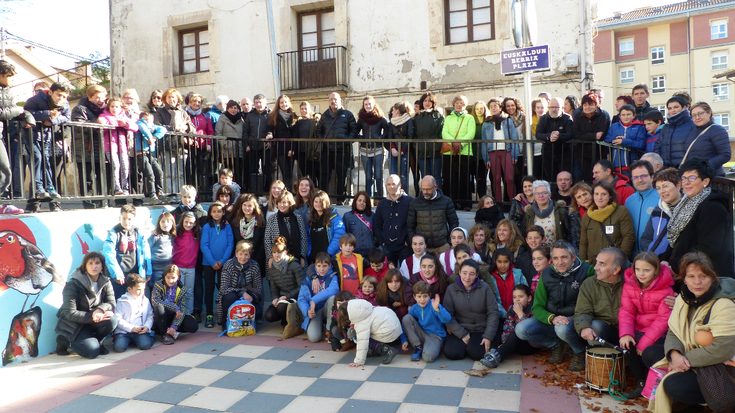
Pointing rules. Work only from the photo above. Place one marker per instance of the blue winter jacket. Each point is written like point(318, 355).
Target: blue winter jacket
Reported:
point(656, 229)
point(641, 205)
point(145, 133)
point(652, 138)
point(713, 144)
point(430, 320)
point(488, 135)
point(335, 230)
point(306, 295)
point(214, 114)
point(363, 233)
point(389, 222)
point(38, 107)
point(216, 245)
point(634, 138)
point(109, 250)
point(672, 144)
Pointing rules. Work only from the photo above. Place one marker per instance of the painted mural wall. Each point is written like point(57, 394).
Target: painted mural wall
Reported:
point(37, 255)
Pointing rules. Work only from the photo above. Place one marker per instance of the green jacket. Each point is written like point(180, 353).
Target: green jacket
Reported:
point(598, 300)
point(565, 289)
point(467, 132)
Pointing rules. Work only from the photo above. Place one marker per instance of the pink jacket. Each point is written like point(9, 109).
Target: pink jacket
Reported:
point(645, 310)
point(116, 140)
point(185, 250)
point(204, 127)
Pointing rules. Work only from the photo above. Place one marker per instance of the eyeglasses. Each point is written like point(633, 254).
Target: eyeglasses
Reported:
point(554, 107)
point(542, 193)
point(698, 114)
point(665, 187)
point(640, 177)
point(156, 97)
point(690, 178)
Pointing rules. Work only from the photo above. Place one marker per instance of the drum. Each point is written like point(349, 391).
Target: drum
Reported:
point(600, 361)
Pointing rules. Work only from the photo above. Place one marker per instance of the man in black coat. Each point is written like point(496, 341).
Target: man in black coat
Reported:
point(555, 129)
point(336, 123)
point(389, 222)
point(433, 215)
point(254, 128)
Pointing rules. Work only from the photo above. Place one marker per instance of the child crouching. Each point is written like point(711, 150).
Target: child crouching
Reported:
point(169, 306)
point(338, 337)
point(424, 324)
point(520, 310)
point(134, 317)
point(375, 327)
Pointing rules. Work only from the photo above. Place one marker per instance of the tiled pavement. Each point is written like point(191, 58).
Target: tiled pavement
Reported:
point(204, 373)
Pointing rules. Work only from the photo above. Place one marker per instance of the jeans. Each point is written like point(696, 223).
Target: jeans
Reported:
point(89, 339)
point(314, 331)
point(431, 166)
point(373, 168)
point(188, 275)
point(394, 161)
point(15, 154)
point(120, 170)
point(550, 336)
point(150, 174)
point(122, 341)
point(603, 330)
point(42, 151)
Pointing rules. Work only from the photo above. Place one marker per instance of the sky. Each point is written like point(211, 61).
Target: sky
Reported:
point(61, 24)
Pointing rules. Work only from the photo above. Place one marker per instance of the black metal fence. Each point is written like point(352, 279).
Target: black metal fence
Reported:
point(72, 160)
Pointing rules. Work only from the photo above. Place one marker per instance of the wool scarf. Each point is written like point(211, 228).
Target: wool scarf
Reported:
point(400, 120)
point(600, 215)
point(192, 112)
point(518, 119)
point(683, 213)
point(369, 117)
point(247, 227)
point(288, 227)
point(545, 212)
point(282, 265)
point(233, 118)
point(286, 116)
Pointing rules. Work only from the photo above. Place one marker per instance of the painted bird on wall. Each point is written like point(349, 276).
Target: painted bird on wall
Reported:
point(24, 267)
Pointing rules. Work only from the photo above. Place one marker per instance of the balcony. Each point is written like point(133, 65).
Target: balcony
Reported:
point(313, 68)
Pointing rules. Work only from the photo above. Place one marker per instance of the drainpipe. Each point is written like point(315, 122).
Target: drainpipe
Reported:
point(274, 57)
point(689, 54)
point(583, 43)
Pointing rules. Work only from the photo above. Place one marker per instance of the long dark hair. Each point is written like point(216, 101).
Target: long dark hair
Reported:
point(180, 227)
point(238, 215)
point(441, 277)
point(326, 209)
point(381, 297)
point(368, 207)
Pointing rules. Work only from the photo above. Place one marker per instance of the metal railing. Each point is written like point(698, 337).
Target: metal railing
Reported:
point(80, 169)
point(312, 68)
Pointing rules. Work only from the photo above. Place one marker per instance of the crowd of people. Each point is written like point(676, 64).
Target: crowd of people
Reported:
point(555, 273)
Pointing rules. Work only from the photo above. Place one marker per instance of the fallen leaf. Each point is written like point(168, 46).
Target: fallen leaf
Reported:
point(314, 367)
point(127, 378)
point(509, 371)
point(534, 410)
point(476, 372)
point(444, 366)
point(415, 377)
point(280, 339)
point(214, 349)
point(471, 410)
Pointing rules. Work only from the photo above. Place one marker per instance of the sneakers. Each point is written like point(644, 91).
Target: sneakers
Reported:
point(388, 353)
point(52, 193)
point(119, 192)
point(557, 354)
point(210, 322)
point(167, 339)
point(154, 200)
point(42, 195)
point(492, 359)
point(577, 362)
point(10, 210)
point(416, 356)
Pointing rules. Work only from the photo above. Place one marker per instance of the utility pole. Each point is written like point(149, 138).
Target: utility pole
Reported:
point(2, 42)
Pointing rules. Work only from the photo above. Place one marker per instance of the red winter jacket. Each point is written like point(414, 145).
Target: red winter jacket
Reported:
point(622, 187)
point(645, 310)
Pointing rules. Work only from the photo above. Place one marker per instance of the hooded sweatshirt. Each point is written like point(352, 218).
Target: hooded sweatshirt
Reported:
point(133, 312)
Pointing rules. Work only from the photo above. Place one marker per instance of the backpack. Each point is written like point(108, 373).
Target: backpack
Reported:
point(240, 319)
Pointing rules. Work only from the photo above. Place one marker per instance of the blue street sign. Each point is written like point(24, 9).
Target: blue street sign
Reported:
point(527, 59)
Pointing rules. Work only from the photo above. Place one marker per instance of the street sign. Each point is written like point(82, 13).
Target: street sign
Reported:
point(527, 59)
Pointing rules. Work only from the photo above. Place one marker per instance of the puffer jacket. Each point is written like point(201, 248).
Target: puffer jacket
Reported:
point(598, 300)
point(9, 110)
point(80, 301)
point(433, 217)
point(713, 144)
point(174, 119)
point(429, 125)
point(307, 296)
point(634, 138)
point(232, 271)
point(672, 144)
point(473, 311)
point(457, 129)
point(86, 140)
point(389, 222)
point(557, 295)
point(343, 126)
point(286, 283)
point(561, 220)
point(335, 230)
point(379, 323)
point(363, 233)
point(593, 238)
point(518, 212)
point(39, 108)
point(255, 127)
point(202, 124)
point(645, 310)
point(654, 236)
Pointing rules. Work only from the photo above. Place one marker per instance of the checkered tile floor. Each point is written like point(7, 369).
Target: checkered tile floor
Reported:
point(218, 376)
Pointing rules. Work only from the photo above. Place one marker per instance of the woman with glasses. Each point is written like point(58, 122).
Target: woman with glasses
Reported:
point(668, 186)
point(156, 101)
point(606, 224)
point(701, 221)
point(708, 140)
point(549, 215)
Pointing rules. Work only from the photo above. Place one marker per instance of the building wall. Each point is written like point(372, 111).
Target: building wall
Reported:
point(392, 47)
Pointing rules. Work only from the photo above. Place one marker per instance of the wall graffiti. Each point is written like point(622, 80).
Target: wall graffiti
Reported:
point(37, 255)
